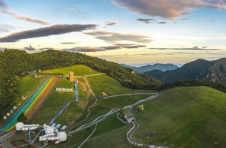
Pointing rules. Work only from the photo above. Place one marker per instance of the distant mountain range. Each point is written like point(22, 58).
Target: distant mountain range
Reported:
point(157, 66)
point(200, 69)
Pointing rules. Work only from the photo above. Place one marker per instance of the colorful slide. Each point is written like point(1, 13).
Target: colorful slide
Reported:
point(76, 92)
point(33, 102)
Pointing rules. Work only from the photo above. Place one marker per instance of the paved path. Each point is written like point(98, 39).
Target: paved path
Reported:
point(88, 75)
point(136, 126)
point(134, 94)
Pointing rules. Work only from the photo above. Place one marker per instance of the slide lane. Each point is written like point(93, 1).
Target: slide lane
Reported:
point(23, 108)
point(44, 100)
point(40, 94)
point(14, 120)
point(39, 101)
point(23, 103)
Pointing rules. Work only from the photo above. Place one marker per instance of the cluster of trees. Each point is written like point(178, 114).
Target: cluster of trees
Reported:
point(218, 86)
point(14, 63)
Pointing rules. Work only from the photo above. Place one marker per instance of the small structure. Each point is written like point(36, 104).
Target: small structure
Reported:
point(52, 134)
point(65, 89)
point(30, 127)
point(4, 117)
point(71, 76)
point(8, 114)
point(38, 76)
point(23, 98)
point(105, 95)
point(14, 107)
point(139, 108)
point(22, 127)
point(32, 72)
point(150, 134)
point(129, 118)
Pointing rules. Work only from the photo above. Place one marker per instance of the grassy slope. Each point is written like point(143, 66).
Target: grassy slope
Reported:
point(79, 70)
point(191, 117)
point(99, 84)
point(184, 117)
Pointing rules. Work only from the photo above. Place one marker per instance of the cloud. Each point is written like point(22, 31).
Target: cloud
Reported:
point(213, 21)
point(46, 48)
point(162, 23)
point(30, 48)
point(183, 19)
point(111, 23)
point(135, 46)
point(103, 48)
point(168, 8)
point(114, 37)
point(110, 47)
point(47, 31)
point(91, 49)
point(6, 10)
point(6, 28)
point(68, 43)
point(194, 48)
point(147, 21)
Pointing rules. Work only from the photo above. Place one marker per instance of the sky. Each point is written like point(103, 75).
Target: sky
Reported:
point(123, 31)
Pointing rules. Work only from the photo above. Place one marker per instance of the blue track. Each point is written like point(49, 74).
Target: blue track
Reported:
point(76, 92)
point(59, 113)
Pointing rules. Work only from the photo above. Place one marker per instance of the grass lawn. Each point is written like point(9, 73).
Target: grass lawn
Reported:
point(79, 70)
point(27, 84)
point(185, 117)
point(104, 83)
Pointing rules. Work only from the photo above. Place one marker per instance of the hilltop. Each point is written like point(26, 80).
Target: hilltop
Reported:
point(214, 71)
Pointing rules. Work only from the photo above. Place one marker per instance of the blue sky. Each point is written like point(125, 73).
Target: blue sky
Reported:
point(168, 31)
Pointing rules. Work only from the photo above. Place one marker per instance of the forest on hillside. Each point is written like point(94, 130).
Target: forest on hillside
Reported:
point(16, 63)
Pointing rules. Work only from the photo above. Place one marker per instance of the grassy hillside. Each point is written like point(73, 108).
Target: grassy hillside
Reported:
point(99, 84)
point(21, 63)
point(192, 117)
point(79, 70)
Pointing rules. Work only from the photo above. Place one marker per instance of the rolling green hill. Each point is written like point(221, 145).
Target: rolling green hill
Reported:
point(14, 63)
point(181, 117)
point(214, 71)
point(191, 117)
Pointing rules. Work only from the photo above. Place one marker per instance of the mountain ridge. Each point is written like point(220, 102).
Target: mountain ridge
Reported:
point(149, 67)
point(200, 69)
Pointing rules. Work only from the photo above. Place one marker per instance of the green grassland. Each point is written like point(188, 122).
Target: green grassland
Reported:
point(188, 117)
point(185, 117)
point(27, 84)
point(79, 70)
